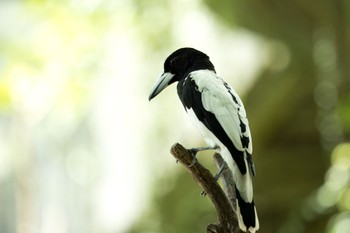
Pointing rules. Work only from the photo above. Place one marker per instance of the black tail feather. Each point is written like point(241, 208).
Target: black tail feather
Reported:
point(247, 210)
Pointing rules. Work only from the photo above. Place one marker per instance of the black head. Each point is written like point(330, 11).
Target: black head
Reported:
point(178, 65)
point(185, 60)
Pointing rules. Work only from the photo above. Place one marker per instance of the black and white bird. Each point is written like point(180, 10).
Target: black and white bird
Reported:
point(218, 112)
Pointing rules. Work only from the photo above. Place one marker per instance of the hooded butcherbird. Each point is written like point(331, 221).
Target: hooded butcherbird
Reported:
point(218, 112)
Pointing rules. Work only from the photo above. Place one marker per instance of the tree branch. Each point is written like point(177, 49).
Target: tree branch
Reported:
point(226, 216)
point(227, 181)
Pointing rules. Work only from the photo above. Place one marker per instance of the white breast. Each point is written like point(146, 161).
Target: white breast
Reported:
point(208, 136)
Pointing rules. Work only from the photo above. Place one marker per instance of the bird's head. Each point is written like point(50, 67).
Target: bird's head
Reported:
point(178, 65)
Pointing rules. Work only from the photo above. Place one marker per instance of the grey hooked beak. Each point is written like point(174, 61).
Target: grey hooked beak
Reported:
point(161, 84)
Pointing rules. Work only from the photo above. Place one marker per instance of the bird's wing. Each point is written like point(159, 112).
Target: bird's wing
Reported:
point(223, 102)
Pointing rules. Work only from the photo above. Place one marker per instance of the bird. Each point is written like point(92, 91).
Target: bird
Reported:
point(219, 114)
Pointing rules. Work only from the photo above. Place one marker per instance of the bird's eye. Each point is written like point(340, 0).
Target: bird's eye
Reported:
point(173, 62)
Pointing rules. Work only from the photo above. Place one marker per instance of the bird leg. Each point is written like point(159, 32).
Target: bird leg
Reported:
point(221, 170)
point(194, 152)
point(216, 177)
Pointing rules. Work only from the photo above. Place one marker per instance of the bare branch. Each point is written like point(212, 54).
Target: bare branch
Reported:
point(227, 180)
point(227, 218)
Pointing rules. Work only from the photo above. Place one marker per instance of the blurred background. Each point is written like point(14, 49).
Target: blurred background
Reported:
point(83, 150)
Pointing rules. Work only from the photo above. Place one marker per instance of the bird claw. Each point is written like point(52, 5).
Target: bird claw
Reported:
point(216, 177)
point(193, 152)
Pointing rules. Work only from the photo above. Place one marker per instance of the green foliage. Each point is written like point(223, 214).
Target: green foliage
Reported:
point(299, 114)
point(177, 207)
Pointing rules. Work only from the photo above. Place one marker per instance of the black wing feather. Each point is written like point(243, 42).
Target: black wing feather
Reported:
point(191, 98)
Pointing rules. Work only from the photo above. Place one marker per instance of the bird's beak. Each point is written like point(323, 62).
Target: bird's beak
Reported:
point(161, 84)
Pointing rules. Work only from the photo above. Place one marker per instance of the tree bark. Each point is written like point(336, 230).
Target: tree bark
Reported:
point(227, 219)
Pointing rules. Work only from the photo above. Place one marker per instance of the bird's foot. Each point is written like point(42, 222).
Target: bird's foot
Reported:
point(221, 170)
point(194, 151)
point(216, 177)
point(194, 158)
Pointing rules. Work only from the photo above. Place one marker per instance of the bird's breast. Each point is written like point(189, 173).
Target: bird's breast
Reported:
point(208, 136)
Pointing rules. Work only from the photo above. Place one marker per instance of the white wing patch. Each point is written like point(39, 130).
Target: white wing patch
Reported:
point(221, 100)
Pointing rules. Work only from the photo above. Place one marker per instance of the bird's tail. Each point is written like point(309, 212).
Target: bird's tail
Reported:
point(245, 208)
point(246, 214)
